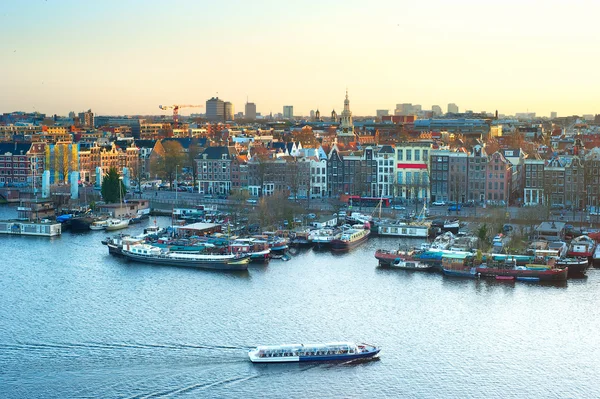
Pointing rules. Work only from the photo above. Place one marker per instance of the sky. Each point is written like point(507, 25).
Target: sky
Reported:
point(130, 56)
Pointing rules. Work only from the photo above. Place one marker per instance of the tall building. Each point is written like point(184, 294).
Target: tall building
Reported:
point(312, 114)
point(86, 119)
point(553, 115)
point(228, 111)
point(452, 108)
point(382, 112)
point(250, 111)
point(288, 112)
point(437, 110)
point(215, 109)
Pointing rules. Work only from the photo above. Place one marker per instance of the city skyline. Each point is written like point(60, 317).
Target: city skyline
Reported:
point(114, 57)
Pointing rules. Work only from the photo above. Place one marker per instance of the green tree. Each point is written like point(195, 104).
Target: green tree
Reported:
point(110, 187)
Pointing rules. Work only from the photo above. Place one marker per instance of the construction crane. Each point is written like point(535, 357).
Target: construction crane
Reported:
point(175, 109)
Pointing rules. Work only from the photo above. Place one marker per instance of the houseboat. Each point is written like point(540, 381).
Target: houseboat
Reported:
point(335, 351)
point(409, 262)
point(322, 238)
point(402, 229)
point(257, 250)
point(542, 269)
point(23, 228)
point(459, 265)
point(349, 239)
point(150, 254)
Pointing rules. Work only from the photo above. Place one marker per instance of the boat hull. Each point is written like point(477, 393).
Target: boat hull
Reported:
point(323, 358)
point(223, 265)
point(541, 275)
point(341, 246)
point(460, 273)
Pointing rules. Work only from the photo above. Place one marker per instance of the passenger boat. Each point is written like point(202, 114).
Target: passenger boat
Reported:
point(349, 239)
point(459, 265)
point(116, 224)
point(541, 268)
point(387, 257)
point(402, 229)
point(582, 246)
point(151, 254)
point(335, 351)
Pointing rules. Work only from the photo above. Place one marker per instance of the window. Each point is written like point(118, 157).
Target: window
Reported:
point(425, 155)
point(417, 155)
point(400, 157)
point(409, 155)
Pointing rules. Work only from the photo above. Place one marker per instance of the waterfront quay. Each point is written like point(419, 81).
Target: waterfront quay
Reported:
point(77, 322)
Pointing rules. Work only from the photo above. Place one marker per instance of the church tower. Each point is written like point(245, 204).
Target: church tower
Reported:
point(334, 116)
point(345, 133)
point(318, 116)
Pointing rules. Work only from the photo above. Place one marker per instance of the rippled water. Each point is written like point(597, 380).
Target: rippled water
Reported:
point(76, 322)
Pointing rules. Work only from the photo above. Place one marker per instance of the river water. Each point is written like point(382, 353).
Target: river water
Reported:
point(76, 322)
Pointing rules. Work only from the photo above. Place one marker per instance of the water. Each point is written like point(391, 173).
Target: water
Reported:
point(76, 322)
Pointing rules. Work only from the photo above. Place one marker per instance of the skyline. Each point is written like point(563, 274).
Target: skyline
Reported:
point(129, 57)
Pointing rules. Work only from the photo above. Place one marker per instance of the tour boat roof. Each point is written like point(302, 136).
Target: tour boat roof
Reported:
point(298, 346)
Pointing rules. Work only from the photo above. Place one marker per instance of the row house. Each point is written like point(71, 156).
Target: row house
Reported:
point(61, 159)
point(284, 174)
point(107, 158)
point(533, 181)
point(564, 181)
point(385, 158)
point(592, 177)
point(477, 166)
point(499, 178)
point(351, 172)
point(239, 172)
point(412, 170)
point(449, 175)
point(21, 164)
point(214, 170)
point(318, 177)
point(516, 157)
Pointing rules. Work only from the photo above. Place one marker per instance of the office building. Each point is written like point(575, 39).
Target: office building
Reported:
point(382, 112)
point(553, 115)
point(452, 108)
point(86, 119)
point(288, 112)
point(215, 109)
point(229, 111)
point(250, 111)
point(437, 110)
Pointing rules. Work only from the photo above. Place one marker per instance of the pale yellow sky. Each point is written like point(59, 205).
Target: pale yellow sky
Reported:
point(127, 57)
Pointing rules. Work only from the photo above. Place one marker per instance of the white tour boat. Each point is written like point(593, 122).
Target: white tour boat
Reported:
point(334, 351)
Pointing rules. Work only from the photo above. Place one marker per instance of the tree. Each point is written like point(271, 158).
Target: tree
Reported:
point(170, 161)
point(110, 187)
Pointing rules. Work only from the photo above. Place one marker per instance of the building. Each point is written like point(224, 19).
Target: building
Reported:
point(477, 165)
point(499, 176)
point(215, 109)
point(86, 119)
point(412, 170)
point(533, 182)
point(250, 111)
point(351, 172)
point(382, 112)
point(345, 133)
point(452, 108)
point(214, 170)
point(21, 164)
point(553, 115)
point(385, 171)
point(288, 112)
point(592, 178)
point(155, 131)
point(318, 177)
point(436, 110)
point(229, 111)
point(61, 159)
